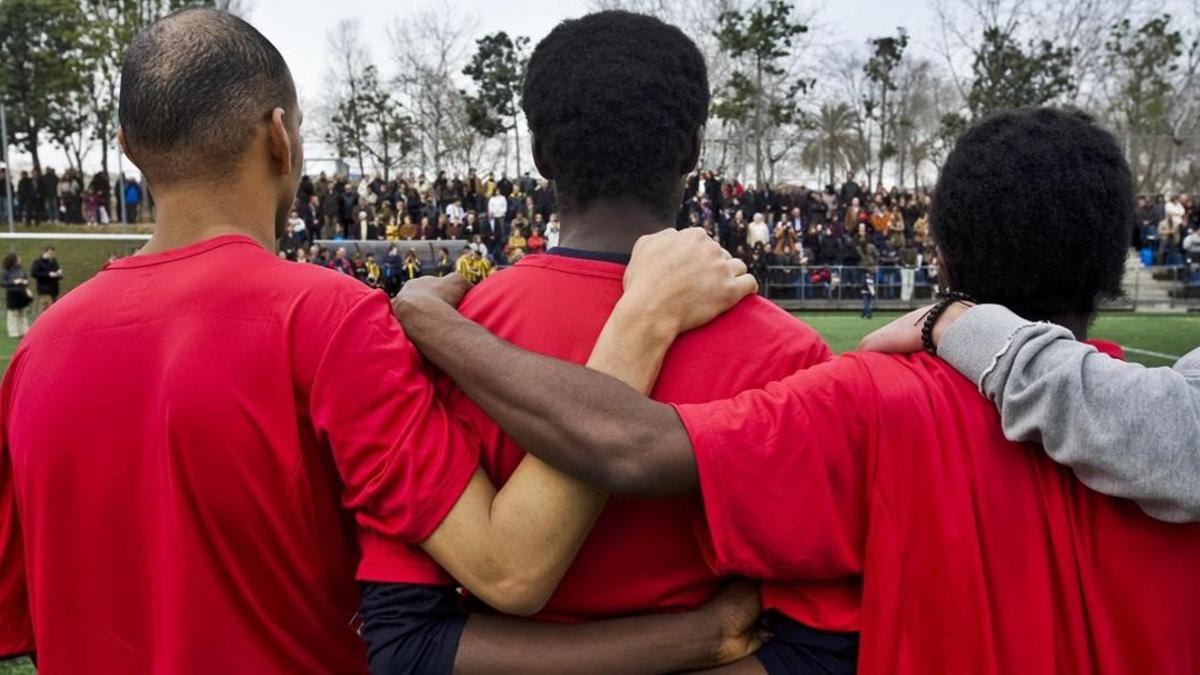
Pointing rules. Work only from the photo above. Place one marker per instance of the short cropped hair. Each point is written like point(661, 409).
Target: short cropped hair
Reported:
point(615, 100)
point(193, 86)
point(1033, 210)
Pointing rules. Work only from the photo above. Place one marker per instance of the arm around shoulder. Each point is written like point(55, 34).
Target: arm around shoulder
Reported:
point(1125, 430)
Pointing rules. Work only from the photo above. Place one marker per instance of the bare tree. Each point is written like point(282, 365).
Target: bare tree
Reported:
point(345, 122)
point(429, 48)
point(920, 104)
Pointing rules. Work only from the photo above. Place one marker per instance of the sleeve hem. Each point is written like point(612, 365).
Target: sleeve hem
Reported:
point(974, 343)
point(436, 513)
point(711, 523)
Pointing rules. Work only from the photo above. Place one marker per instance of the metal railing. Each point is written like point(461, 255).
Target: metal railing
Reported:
point(843, 287)
point(1159, 288)
point(1162, 287)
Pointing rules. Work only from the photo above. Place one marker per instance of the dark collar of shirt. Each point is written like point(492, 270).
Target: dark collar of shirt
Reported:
point(618, 258)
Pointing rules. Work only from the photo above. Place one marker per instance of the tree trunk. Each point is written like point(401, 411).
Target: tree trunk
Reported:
point(517, 139)
point(883, 121)
point(758, 130)
point(387, 160)
point(33, 148)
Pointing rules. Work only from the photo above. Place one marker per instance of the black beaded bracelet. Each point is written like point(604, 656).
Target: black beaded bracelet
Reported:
point(947, 299)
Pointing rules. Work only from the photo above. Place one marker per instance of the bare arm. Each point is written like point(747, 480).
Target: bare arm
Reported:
point(486, 539)
point(591, 425)
point(511, 548)
point(718, 633)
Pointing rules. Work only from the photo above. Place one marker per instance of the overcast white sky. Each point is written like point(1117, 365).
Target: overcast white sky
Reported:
point(298, 28)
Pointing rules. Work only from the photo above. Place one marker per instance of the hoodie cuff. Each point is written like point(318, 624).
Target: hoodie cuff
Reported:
point(978, 339)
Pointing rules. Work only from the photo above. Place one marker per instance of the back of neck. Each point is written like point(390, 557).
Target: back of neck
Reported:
point(609, 226)
point(189, 214)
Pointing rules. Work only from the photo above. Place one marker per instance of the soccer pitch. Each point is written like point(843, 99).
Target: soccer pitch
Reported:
point(1150, 339)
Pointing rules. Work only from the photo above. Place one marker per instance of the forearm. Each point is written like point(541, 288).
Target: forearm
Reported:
point(586, 423)
point(1125, 430)
point(649, 644)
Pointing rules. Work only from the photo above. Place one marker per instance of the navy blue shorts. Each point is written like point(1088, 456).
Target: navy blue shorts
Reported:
point(797, 649)
point(411, 629)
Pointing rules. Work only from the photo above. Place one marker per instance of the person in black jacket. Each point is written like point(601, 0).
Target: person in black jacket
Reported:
point(47, 275)
point(26, 197)
point(5, 191)
point(17, 295)
point(48, 192)
point(849, 191)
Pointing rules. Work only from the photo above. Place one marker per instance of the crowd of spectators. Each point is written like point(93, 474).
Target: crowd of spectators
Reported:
point(816, 241)
point(48, 197)
point(1167, 231)
point(501, 218)
point(799, 242)
point(796, 240)
point(776, 231)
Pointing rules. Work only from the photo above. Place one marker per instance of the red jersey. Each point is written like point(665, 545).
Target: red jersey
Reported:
point(642, 555)
point(978, 555)
point(188, 439)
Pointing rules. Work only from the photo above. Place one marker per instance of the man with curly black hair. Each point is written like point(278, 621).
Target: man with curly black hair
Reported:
point(616, 104)
point(976, 554)
point(983, 219)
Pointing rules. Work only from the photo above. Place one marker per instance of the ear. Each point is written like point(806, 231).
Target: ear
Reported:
point(692, 160)
point(279, 141)
point(541, 160)
point(124, 144)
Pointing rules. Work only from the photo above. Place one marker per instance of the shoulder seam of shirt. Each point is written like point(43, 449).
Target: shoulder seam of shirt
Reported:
point(133, 265)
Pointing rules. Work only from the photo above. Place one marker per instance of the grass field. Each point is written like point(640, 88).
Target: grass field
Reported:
point(17, 667)
point(80, 259)
point(1167, 334)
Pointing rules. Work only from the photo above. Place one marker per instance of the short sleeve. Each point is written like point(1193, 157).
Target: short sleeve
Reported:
point(403, 461)
point(16, 629)
point(784, 472)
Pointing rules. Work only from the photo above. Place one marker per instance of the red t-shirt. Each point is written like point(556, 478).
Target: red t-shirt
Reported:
point(978, 555)
point(189, 438)
point(642, 554)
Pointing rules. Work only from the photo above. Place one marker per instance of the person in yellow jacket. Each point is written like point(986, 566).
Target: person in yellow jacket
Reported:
point(374, 272)
point(463, 266)
point(411, 268)
point(481, 267)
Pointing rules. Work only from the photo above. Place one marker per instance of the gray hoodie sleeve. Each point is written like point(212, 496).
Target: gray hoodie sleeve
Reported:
point(1125, 430)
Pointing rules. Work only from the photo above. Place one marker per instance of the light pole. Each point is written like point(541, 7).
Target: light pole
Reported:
point(8, 195)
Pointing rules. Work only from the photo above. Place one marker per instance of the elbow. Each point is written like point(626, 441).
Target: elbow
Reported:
point(517, 593)
point(623, 473)
point(625, 464)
